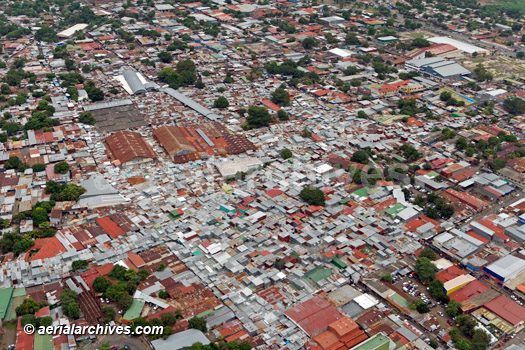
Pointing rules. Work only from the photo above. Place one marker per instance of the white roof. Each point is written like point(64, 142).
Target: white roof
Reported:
point(460, 45)
point(366, 301)
point(71, 30)
point(341, 52)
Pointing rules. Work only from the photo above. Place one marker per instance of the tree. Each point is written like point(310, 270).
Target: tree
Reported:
point(309, 43)
point(437, 290)
point(165, 57)
point(428, 253)
point(28, 319)
point(258, 117)
point(46, 34)
point(306, 133)
point(497, 164)
point(186, 65)
point(351, 39)
point(312, 195)
point(68, 300)
point(387, 277)
point(101, 284)
point(362, 115)
point(61, 168)
point(109, 314)
point(118, 272)
point(94, 93)
point(221, 102)
point(163, 294)
point(281, 96)
point(87, 118)
point(161, 267)
point(279, 264)
point(515, 105)
point(480, 340)
point(360, 157)
point(79, 265)
point(28, 306)
point(461, 143)
point(168, 319)
point(286, 153)
point(421, 307)
point(282, 115)
point(453, 308)
point(466, 324)
point(125, 301)
point(197, 323)
point(425, 269)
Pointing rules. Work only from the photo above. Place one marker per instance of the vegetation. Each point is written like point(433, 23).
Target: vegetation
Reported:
point(68, 300)
point(286, 153)
point(197, 323)
point(281, 96)
point(79, 265)
point(64, 192)
point(425, 269)
point(257, 117)
point(61, 168)
point(387, 277)
point(87, 118)
point(221, 102)
point(312, 195)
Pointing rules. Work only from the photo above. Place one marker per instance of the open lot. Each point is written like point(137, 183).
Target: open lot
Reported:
point(501, 67)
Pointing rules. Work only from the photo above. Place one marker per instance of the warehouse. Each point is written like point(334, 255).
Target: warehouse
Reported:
point(174, 141)
point(460, 45)
point(437, 67)
point(505, 269)
point(68, 33)
point(129, 148)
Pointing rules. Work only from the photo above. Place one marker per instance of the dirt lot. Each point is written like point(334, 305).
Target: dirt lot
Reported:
point(8, 334)
point(501, 67)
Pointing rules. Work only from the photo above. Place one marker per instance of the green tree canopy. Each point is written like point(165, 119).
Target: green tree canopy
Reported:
point(312, 195)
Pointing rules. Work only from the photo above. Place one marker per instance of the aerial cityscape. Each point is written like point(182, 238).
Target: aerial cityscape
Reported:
point(262, 174)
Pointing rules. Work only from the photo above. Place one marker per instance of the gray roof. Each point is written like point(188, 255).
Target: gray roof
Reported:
point(192, 104)
point(134, 82)
point(181, 340)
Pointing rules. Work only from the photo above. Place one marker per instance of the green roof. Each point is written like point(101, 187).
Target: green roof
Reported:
point(19, 292)
point(43, 342)
point(5, 300)
point(338, 262)
point(377, 342)
point(362, 192)
point(395, 209)
point(197, 252)
point(317, 275)
point(399, 300)
point(134, 310)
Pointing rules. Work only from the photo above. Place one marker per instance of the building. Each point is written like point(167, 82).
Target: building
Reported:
point(437, 67)
point(129, 148)
point(68, 33)
point(466, 48)
point(377, 342)
point(242, 165)
point(505, 269)
point(313, 316)
point(174, 141)
point(181, 340)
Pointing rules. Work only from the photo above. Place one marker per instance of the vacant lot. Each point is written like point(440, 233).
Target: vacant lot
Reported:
point(501, 67)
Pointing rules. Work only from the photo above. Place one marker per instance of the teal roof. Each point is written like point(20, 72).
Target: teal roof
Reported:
point(5, 300)
point(134, 310)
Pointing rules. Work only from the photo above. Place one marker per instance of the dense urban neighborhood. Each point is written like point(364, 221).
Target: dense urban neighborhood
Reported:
point(262, 174)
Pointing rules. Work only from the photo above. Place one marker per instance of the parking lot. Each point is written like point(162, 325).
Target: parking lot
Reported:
point(411, 289)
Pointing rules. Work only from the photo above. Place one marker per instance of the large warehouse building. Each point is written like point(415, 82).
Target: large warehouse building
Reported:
point(437, 67)
point(129, 147)
point(505, 269)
